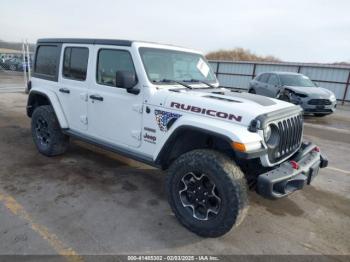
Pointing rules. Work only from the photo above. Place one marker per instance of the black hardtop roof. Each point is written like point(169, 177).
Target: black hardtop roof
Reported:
point(86, 41)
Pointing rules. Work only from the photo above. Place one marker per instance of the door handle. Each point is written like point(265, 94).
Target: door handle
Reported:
point(64, 90)
point(96, 97)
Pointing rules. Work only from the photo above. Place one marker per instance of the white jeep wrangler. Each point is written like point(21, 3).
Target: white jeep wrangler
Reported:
point(162, 105)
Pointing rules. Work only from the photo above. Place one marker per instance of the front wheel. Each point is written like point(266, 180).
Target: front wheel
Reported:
point(207, 192)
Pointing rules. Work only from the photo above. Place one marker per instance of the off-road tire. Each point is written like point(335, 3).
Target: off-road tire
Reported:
point(230, 183)
point(57, 141)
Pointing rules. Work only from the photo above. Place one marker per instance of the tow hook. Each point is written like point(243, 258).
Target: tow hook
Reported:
point(294, 164)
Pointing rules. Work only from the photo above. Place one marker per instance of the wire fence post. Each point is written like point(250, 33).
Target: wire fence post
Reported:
point(346, 88)
point(217, 69)
point(254, 69)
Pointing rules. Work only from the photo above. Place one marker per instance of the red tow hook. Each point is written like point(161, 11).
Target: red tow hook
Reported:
point(316, 149)
point(294, 164)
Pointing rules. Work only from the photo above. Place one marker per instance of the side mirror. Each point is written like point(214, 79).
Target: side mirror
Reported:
point(127, 80)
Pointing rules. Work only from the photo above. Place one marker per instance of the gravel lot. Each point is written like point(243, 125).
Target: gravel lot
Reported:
point(90, 201)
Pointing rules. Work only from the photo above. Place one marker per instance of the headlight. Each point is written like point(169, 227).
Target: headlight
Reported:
point(271, 135)
point(295, 98)
point(332, 97)
point(267, 133)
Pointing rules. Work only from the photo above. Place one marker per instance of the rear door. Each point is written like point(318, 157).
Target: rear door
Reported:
point(73, 85)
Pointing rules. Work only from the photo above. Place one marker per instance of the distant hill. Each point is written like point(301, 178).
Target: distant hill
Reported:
point(342, 63)
point(242, 54)
point(239, 54)
point(15, 45)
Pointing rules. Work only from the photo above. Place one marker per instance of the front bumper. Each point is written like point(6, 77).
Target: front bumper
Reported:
point(325, 111)
point(312, 108)
point(292, 174)
point(321, 109)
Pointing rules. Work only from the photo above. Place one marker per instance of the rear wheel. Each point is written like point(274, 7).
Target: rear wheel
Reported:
point(207, 192)
point(46, 132)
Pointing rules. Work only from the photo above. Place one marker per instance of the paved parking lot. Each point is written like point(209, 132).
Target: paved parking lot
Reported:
point(90, 201)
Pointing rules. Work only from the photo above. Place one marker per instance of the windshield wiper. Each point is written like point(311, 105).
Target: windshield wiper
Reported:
point(173, 81)
point(199, 81)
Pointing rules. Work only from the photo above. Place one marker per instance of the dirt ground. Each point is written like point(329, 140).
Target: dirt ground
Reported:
point(90, 201)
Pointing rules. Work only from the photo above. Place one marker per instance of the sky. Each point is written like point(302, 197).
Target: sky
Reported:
point(292, 30)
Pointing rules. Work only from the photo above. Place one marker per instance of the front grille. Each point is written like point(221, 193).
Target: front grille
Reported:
point(319, 102)
point(290, 132)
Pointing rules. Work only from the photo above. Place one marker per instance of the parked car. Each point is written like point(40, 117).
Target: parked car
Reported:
point(162, 105)
point(2, 63)
point(14, 64)
point(297, 89)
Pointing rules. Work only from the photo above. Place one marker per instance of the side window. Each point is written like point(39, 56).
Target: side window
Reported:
point(46, 62)
point(75, 63)
point(263, 78)
point(273, 80)
point(109, 62)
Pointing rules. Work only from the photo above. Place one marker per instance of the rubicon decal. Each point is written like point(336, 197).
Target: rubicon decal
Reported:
point(205, 111)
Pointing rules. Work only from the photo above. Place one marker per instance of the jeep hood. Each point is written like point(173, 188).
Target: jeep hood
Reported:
point(222, 104)
point(316, 92)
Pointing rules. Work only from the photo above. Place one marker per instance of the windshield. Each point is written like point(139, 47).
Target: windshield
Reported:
point(165, 66)
point(296, 80)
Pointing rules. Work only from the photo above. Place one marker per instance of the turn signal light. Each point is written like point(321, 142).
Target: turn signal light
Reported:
point(316, 149)
point(239, 146)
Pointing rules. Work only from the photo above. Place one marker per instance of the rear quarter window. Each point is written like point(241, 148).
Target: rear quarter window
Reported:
point(47, 62)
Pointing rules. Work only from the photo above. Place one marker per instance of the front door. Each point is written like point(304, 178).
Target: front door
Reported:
point(74, 82)
point(115, 115)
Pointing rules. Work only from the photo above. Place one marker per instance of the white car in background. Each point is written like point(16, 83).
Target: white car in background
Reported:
point(297, 89)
